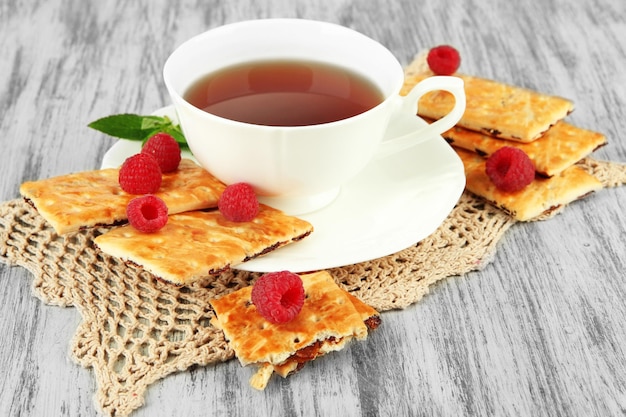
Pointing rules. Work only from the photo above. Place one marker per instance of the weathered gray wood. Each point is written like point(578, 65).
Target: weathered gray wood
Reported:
point(539, 332)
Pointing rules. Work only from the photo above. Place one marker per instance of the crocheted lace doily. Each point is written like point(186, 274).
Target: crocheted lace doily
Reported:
point(136, 329)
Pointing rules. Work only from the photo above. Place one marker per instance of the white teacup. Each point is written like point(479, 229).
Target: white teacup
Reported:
point(297, 168)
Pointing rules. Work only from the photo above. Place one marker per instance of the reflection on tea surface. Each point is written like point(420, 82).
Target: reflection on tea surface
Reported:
point(284, 93)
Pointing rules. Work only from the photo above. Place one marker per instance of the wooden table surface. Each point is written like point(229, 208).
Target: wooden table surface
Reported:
point(539, 332)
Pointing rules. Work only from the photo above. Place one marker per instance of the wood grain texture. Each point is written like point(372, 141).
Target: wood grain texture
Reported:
point(538, 332)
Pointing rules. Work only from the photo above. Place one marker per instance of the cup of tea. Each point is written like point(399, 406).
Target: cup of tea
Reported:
point(294, 107)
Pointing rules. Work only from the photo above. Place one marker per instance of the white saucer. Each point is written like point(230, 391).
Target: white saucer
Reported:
point(392, 204)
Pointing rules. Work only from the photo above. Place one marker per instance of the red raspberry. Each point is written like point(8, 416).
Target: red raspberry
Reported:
point(165, 150)
point(278, 296)
point(238, 202)
point(140, 174)
point(443, 60)
point(510, 169)
point(147, 213)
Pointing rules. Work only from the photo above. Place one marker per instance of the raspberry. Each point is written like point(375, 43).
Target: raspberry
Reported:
point(510, 169)
point(278, 296)
point(443, 60)
point(238, 202)
point(140, 174)
point(165, 150)
point(147, 213)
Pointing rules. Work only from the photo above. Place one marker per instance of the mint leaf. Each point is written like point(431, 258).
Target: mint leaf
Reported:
point(126, 126)
point(178, 136)
point(137, 127)
point(154, 122)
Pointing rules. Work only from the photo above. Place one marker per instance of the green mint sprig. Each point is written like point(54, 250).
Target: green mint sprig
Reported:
point(140, 128)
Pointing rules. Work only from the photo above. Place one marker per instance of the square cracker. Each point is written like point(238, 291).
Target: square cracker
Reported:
point(95, 198)
point(197, 244)
point(540, 197)
point(330, 318)
point(559, 148)
point(494, 108)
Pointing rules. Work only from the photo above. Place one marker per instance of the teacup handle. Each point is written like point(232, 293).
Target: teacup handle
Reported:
point(408, 105)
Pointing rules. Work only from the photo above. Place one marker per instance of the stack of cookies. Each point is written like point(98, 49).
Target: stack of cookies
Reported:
point(197, 240)
point(329, 319)
point(499, 115)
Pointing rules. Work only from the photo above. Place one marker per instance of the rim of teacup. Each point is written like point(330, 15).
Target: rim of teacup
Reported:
point(390, 95)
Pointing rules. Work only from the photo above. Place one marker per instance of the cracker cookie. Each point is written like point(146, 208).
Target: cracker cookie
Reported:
point(197, 244)
point(94, 198)
point(329, 319)
point(494, 108)
point(559, 148)
point(540, 197)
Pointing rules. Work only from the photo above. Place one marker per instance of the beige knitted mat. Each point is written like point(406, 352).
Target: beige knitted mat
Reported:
point(136, 329)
